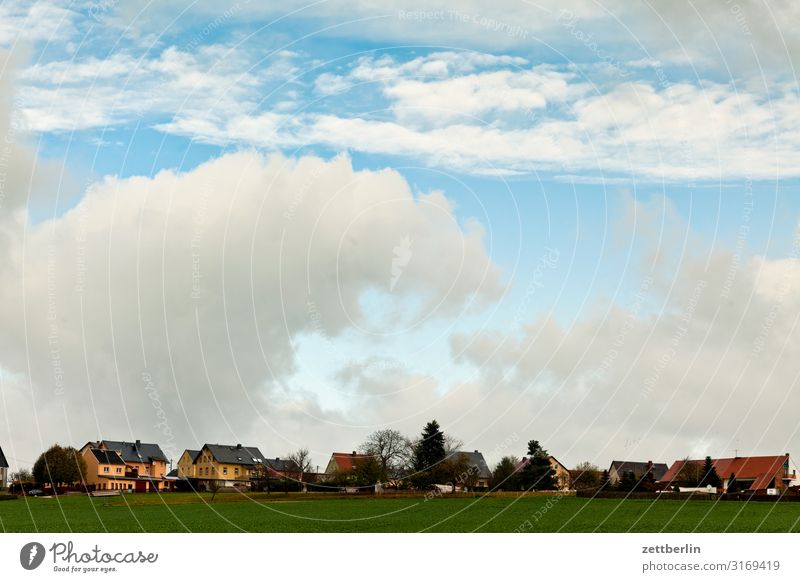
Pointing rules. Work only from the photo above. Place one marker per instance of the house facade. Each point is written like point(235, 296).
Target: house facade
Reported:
point(753, 474)
point(561, 474)
point(343, 462)
point(228, 465)
point(128, 466)
point(187, 468)
point(638, 468)
point(3, 470)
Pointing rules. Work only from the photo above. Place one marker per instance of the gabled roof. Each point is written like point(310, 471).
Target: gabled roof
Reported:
point(760, 469)
point(193, 454)
point(639, 468)
point(347, 461)
point(3, 462)
point(107, 457)
point(135, 452)
point(235, 454)
point(282, 465)
point(475, 459)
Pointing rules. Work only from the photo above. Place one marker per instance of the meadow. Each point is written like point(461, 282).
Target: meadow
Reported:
point(231, 512)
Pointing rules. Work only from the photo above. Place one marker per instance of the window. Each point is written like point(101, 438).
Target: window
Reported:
point(236, 470)
point(119, 469)
point(225, 470)
point(105, 469)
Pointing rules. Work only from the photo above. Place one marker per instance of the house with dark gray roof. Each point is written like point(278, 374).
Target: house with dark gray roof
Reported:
point(638, 468)
point(283, 468)
point(3, 470)
point(480, 473)
point(228, 465)
point(126, 465)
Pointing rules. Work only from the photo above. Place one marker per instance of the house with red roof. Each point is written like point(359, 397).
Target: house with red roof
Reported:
point(753, 474)
point(344, 462)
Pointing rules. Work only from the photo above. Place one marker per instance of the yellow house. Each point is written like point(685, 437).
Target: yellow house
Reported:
point(145, 465)
point(187, 469)
point(562, 474)
point(227, 465)
point(105, 470)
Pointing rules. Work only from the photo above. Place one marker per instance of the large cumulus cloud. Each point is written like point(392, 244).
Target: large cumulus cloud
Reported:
point(166, 308)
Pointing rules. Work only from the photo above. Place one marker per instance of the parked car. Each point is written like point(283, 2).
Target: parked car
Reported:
point(35, 493)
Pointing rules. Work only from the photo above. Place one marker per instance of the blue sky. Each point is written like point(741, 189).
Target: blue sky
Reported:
point(627, 142)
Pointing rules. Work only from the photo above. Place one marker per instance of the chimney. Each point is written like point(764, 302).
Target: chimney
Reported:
point(138, 442)
point(477, 451)
point(238, 446)
point(354, 453)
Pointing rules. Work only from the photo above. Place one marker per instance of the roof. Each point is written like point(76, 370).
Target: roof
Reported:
point(109, 457)
point(235, 454)
point(347, 461)
point(760, 469)
point(3, 462)
point(135, 452)
point(172, 474)
point(283, 465)
point(475, 459)
point(639, 468)
point(193, 454)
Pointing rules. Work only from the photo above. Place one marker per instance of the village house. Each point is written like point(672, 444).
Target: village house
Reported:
point(753, 474)
point(637, 468)
point(480, 473)
point(343, 463)
point(187, 468)
point(228, 465)
point(278, 468)
point(562, 475)
point(3, 470)
point(126, 466)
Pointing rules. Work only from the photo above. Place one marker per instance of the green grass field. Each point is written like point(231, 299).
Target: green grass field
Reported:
point(179, 512)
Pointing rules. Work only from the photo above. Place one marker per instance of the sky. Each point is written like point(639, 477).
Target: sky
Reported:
point(291, 225)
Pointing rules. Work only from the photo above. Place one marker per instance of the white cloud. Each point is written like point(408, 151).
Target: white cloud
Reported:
point(203, 280)
point(25, 22)
point(209, 81)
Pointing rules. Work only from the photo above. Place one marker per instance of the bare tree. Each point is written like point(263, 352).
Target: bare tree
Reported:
point(390, 448)
point(452, 444)
point(302, 459)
